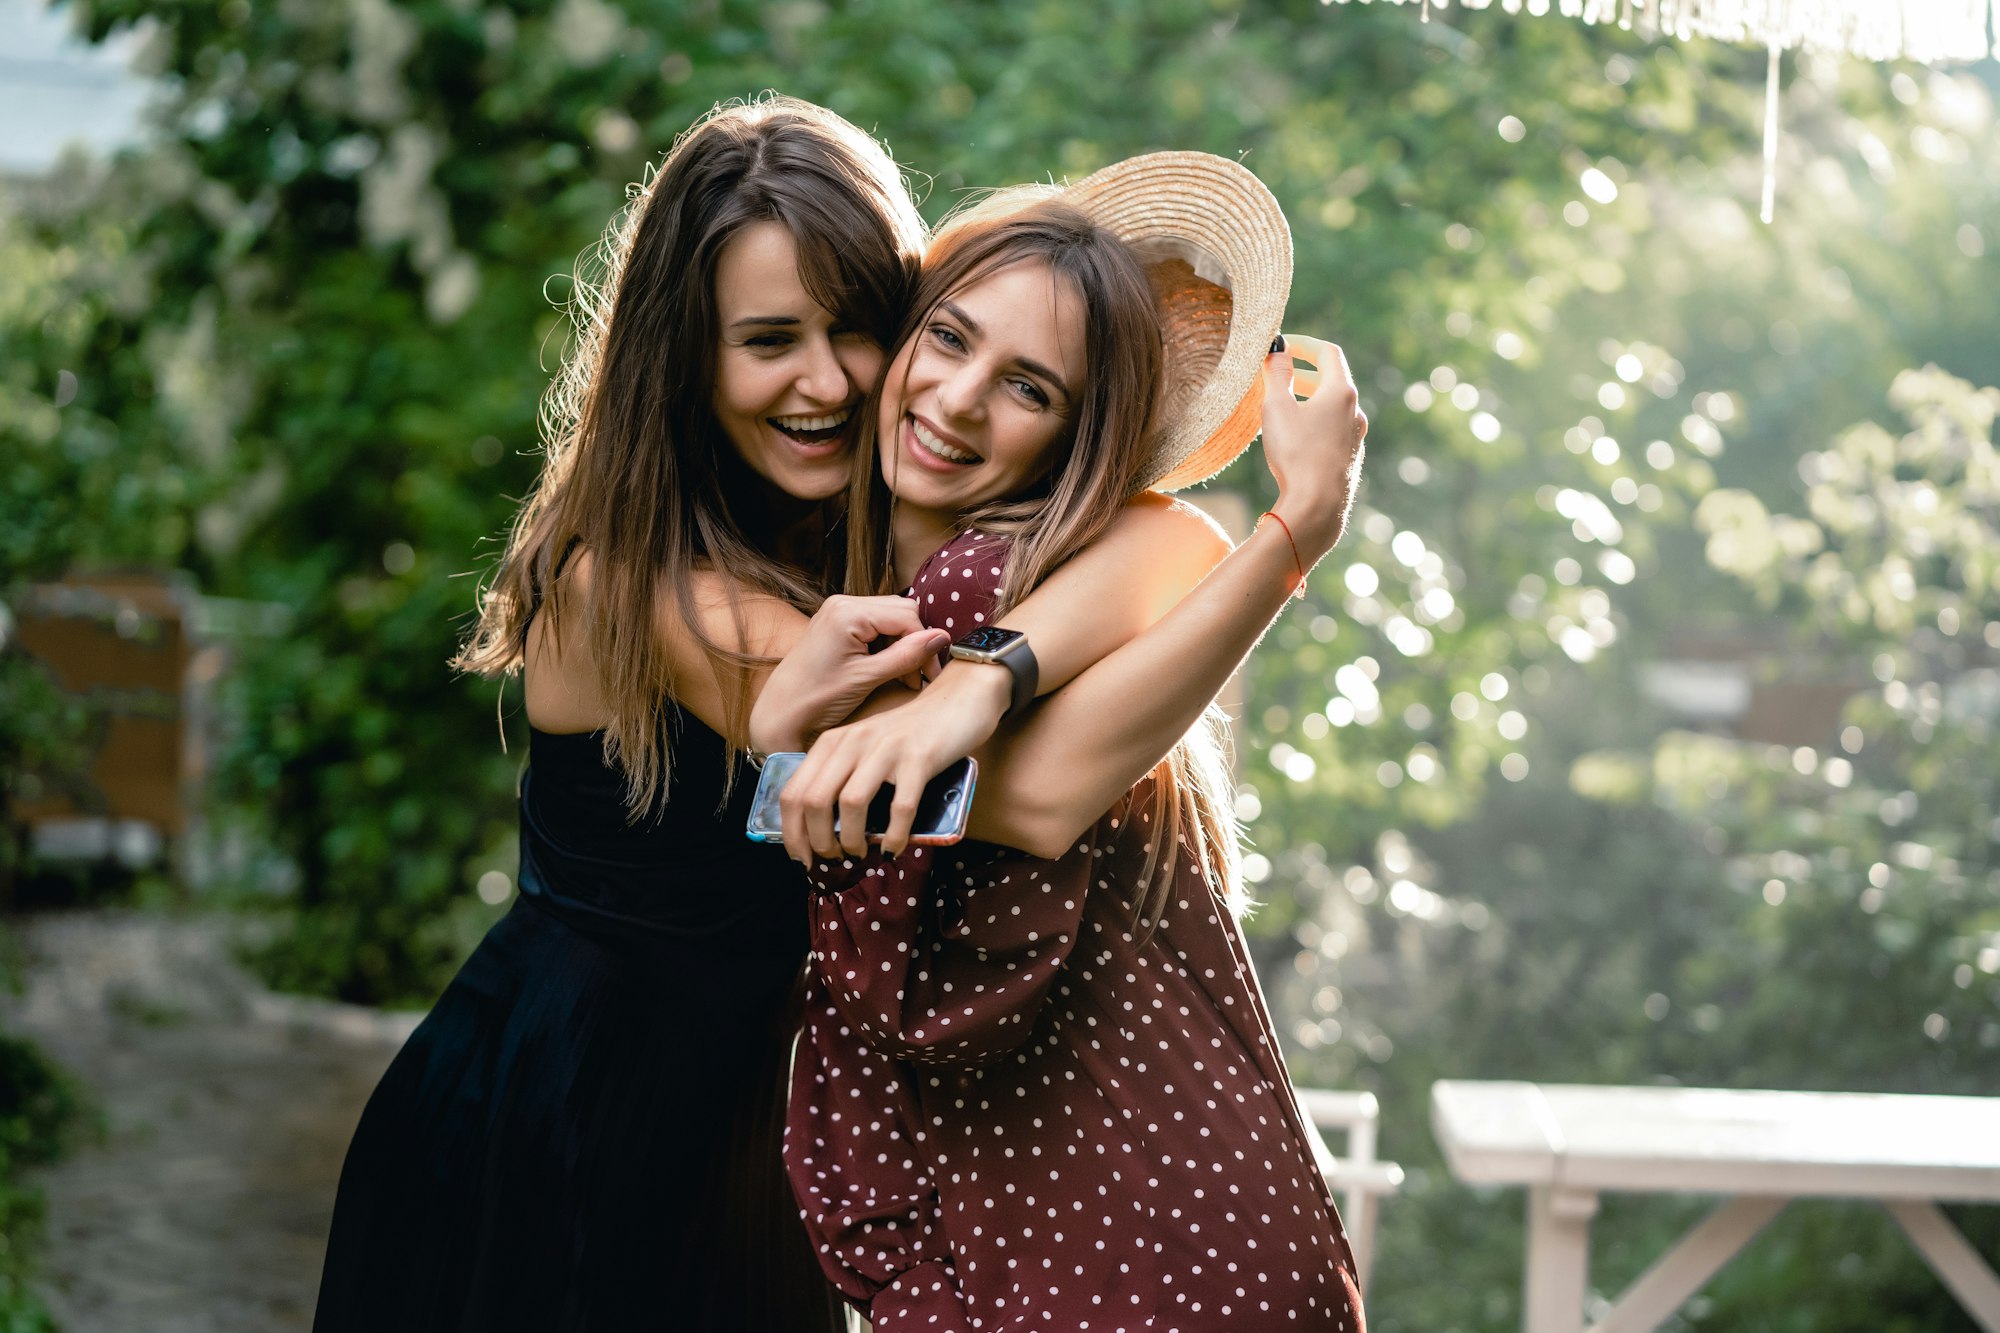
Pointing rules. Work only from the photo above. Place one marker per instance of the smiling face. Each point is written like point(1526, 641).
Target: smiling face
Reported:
point(981, 395)
point(789, 374)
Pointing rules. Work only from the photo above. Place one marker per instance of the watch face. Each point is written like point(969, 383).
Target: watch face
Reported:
point(989, 638)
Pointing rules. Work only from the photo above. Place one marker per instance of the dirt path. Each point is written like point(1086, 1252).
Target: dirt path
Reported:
point(204, 1206)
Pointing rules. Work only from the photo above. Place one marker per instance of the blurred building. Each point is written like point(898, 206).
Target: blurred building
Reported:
point(119, 647)
point(139, 656)
point(1750, 686)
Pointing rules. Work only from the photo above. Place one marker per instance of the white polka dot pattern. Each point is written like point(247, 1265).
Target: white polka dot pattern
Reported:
point(1009, 1113)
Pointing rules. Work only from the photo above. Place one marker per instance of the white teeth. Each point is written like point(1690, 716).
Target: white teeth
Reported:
point(939, 447)
point(814, 423)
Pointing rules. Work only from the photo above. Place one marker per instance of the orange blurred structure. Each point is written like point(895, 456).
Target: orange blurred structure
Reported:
point(123, 645)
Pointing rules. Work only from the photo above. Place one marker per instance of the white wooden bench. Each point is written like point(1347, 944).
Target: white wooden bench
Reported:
point(1359, 1175)
point(1568, 1144)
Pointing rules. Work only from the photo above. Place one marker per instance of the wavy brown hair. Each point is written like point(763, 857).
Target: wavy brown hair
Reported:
point(1104, 449)
point(637, 470)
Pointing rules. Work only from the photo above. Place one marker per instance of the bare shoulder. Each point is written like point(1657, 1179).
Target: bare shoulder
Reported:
point(727, 613)
point(1156, 549)
point(710, 599)
point(707, 611)
point(559, 679)
point(1170, 526)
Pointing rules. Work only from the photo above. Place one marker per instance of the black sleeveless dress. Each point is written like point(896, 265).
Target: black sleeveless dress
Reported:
point(584, 1134)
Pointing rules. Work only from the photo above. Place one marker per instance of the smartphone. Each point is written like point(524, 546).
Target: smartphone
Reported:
point(941, 814)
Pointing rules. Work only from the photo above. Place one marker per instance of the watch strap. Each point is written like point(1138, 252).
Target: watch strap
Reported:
point(1023, 671)
point(1019, 659)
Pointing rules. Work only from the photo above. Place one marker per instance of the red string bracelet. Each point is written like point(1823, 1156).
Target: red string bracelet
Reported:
point(1298, 589)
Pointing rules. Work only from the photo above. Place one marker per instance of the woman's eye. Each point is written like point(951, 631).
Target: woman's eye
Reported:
point(769, 340)
point(947, 338)
point(1031, 391)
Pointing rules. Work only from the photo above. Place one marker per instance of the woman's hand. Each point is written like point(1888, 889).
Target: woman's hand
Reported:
point(832, 669)
point(906, 746)
point(1314, 448)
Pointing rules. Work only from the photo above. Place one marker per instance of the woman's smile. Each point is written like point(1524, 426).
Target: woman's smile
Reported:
point(815, 429)
point(932, 446)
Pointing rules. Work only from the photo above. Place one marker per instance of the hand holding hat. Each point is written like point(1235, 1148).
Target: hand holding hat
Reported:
point(1314, 447)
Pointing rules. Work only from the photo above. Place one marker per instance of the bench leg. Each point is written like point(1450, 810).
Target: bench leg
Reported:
point(1558, 1275)
point(1358, 1219)
point(1360, 1203)
point(1952, 1258)
point(1687, 1267)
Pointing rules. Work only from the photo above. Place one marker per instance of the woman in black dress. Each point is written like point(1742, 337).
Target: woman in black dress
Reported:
point(583, 1134)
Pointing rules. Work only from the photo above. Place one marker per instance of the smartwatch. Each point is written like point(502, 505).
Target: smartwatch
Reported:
point(1007, 648)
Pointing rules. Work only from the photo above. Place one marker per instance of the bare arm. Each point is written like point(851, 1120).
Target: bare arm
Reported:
point(1049, 777)
point(1084, 746)
point(1155, 551)
point(1104, 596)
point(562, 681)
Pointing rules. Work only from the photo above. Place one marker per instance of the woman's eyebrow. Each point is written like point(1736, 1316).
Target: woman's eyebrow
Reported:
point(1033, 367)
point(757, 320)
point(957, 312)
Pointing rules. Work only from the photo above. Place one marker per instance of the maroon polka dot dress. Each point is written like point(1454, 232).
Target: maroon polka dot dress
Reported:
point(1010, 1112)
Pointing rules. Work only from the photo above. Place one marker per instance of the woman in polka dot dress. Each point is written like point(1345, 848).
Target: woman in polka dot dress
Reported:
point(1044, 1093)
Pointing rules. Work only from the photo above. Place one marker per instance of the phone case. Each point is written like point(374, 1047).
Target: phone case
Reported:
point(941, 814)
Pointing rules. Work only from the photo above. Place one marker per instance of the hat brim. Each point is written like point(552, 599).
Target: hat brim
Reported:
point(1219, 217)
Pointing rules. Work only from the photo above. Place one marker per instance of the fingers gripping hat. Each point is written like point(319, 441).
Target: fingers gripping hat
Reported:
point(1218, 252)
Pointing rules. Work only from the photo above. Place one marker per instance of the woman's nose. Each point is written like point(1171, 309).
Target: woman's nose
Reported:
point(962, 392)
point(822, 378)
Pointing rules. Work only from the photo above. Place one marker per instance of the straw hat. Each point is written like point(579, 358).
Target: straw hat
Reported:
point(1219, 253)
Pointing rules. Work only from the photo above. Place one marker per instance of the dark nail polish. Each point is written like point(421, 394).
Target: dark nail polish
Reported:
point(1277, 344)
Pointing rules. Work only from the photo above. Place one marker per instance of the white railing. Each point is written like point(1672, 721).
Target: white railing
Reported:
point(1361, 1178)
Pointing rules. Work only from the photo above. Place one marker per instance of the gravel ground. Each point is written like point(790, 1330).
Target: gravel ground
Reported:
point(203, 1207)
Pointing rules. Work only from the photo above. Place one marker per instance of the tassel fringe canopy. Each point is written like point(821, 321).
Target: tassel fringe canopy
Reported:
point(1923, 30)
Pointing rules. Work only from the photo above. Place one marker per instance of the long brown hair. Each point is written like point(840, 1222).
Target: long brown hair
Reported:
point(1107, 443)
point(637, 471)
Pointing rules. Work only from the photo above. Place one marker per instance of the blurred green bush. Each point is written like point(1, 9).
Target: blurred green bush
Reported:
point(41, 1114)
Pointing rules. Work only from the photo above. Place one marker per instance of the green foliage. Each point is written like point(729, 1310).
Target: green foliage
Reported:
point(42, 745)
point(42, 732)
point(68, 478)
point(308, 328)
point(41, 1112)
